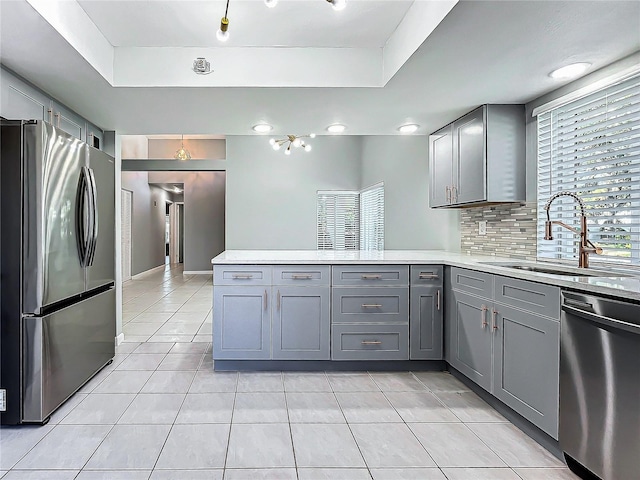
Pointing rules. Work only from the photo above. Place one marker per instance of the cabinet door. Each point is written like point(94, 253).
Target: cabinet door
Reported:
point(471, 338)
point(242, 322)
point(469, 158)
point(440, 167)
point(526, 365)
point(301, 323)
point(68, 121)
point(94, 136)
point(21, 101)
point(425, 320)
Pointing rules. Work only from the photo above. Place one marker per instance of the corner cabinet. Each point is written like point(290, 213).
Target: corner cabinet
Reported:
point(504, 334)
point(479, 158)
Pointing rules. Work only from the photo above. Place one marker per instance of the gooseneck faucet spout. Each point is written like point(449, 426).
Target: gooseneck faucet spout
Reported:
point(586, 246)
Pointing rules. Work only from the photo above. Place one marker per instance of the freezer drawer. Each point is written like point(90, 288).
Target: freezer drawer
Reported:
point(63, 350)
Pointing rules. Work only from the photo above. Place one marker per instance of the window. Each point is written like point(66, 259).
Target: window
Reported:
point(591, 147)
point(338, 220)
point(372, 218)
point(351, 220)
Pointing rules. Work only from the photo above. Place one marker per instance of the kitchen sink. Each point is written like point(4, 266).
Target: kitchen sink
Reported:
point(560, 271)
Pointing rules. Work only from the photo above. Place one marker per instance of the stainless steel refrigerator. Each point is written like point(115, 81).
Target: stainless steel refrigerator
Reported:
point(57, 246)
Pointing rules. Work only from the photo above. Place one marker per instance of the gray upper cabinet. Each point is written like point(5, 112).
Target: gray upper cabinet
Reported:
point(441, 167)
point(23, 101)
point(20, 101)
point(68, 121)
point(301, 323)
point(479, 158)
point(242, 318)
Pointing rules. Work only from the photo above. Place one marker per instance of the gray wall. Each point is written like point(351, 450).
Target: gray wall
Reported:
point(401, 162)
point(147, 223)
point(271, 197)
point(204, 215)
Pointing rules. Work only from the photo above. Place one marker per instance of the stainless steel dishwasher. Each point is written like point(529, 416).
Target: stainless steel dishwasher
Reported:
point(600, 386)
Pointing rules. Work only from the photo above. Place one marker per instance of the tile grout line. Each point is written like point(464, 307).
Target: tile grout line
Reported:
point(293, 447)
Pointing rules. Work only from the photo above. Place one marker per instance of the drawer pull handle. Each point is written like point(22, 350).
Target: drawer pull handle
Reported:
point(371, 277)
point(494, 314)
point(240, 276)
point(371, 305)
point(302, 277)
point(371, 342)
point(484, 316)
point(424, 276)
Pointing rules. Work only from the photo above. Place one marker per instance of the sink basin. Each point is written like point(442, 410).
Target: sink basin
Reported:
point(560, 271)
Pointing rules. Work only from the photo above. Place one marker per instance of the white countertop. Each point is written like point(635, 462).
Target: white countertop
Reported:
point(611, 283)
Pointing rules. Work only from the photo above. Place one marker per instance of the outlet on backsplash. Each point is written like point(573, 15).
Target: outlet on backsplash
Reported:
point(506, 230)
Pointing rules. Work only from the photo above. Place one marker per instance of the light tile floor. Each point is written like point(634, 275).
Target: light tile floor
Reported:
point(160, 412)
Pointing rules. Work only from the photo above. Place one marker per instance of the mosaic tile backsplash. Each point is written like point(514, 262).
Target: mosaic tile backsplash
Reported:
point(511, 230)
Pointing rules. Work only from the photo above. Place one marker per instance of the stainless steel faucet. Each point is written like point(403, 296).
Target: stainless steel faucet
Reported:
point(585, 247)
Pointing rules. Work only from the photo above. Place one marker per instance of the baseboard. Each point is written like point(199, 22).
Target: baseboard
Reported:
point(119, 339)
point(138, 275)
point(198, 272)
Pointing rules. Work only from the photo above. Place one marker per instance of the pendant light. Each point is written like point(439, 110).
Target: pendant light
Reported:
point(183, 153)
point(222, 34)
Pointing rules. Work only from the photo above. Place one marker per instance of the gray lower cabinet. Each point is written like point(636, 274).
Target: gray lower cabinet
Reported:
point(526, 359)
point(301, 323)
point(508, 344)
point(471, 338)
point(425, 339)
point(241, 322)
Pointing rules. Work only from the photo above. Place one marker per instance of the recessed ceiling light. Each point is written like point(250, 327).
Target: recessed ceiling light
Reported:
point(336, 128)
point(570, 71)
point(408, 128)
point(262, 128)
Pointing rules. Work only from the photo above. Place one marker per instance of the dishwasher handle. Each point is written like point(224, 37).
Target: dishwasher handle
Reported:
point(610, 322)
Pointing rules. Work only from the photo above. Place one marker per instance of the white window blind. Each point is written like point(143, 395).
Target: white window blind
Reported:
point(372, 218)
point(338, 217)
point(591, 147)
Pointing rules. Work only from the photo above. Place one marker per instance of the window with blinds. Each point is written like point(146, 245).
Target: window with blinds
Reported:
point(591, 147)
point(338, 220)
point(372, 218)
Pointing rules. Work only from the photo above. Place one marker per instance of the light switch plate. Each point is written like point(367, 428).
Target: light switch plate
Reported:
point(482, 227)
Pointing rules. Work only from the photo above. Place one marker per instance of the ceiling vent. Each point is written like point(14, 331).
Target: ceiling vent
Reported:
point(201, 66)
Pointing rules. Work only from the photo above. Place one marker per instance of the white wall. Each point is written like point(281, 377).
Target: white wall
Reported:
point(148, 222)
point(402, 163)
point(200, 149)
point(271, 197)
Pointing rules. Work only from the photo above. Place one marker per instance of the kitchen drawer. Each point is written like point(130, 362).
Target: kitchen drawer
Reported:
point(470, 281)
point(353, 305)
point(530, 296)
point(371, 275)
point(302, 275)
point(370, 342)
point(426, 275)
point(242, 275)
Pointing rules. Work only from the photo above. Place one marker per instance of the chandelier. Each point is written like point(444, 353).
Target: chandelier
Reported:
point(292, 141)
point(183, 153)
point(223, 32)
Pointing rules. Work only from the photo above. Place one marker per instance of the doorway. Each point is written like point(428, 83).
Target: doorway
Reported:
point(126, 197)
point(167, 232)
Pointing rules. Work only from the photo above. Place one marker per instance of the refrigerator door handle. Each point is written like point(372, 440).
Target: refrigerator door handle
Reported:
point(94, 217)
point(83, 216)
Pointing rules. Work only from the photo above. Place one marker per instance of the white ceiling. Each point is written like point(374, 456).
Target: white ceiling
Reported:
point(482, 52)
point(291, 23)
